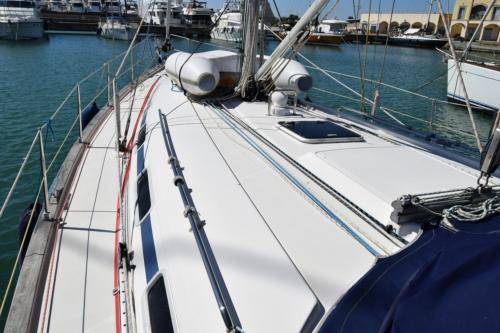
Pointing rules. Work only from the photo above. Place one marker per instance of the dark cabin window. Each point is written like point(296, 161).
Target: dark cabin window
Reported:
point(142, 136)
point(159, 312)
point(143, 197)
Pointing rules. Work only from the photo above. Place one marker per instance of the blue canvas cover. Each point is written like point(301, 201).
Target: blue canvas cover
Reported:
point(446, 281)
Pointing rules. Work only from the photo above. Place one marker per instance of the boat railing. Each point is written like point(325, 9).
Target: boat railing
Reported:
point(426, 119)
point(100, 87)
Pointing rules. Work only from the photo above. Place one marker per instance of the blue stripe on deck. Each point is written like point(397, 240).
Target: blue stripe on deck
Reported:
point(140, 160)
point(148, 248)
point(341, 223)
point(148, 244)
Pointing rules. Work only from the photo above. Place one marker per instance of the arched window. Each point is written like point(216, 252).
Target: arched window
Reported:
point(477, 12)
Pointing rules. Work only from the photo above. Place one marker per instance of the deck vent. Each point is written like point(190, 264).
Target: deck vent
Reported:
point(319, 131)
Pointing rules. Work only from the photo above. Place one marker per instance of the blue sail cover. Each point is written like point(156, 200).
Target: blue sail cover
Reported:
point(446, 281)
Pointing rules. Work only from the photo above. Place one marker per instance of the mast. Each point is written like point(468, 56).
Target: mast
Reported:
point(247, 85)
point(167, 19)
point(429, 16)
point(291, 38)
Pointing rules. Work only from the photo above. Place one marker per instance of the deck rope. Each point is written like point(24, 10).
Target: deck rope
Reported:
point(473, 212)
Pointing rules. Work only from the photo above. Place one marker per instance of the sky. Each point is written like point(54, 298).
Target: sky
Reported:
point(345, 9)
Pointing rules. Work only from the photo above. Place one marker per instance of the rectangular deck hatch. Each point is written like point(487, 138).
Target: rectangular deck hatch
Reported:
point(319, 131)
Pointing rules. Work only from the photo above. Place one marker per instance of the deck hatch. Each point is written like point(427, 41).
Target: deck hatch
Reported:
point(143, 197)
point(319, 131)
point(159, 311)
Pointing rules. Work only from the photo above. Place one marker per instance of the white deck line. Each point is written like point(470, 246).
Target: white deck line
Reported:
point(81, 278)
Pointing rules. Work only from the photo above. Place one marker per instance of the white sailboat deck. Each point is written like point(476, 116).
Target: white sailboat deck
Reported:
point(373, 173)
point(286, 248)
point(79, 290)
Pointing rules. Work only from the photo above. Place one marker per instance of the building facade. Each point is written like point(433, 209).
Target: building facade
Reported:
point(467, 15)
point(383, 23)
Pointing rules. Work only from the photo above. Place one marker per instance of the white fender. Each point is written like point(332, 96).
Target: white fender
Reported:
point(294, 77)
point(199, 76)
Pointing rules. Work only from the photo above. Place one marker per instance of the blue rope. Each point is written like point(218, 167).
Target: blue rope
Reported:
point(48, 128)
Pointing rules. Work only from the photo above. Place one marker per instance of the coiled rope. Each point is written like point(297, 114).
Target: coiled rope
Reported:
point(473, 212)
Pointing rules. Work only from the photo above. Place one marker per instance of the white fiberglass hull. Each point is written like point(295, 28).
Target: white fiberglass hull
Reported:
point(482, 84)
point(19, 30)
point(226, 34)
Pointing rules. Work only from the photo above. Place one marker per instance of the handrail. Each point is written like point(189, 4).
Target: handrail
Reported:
point(204, 42)
point(226, 307)
point(18, 175)
point(387, 85)
point(104, 66)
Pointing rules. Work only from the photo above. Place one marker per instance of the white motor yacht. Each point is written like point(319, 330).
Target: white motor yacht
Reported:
point(76, 6)
point(130, 8)
point(157, 13)
point(56, 5)
point(112, 7)
point(196, 14)
point(229, 22)
point(94, 6)
point(19, 20)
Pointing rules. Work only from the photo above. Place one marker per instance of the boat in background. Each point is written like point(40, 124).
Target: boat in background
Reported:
point(117, 27)
point(228, 22)
point(328, 32)
point(414, 37)
point(113, 7)
point(157, 13)
point(130, 8)
point(481, 80)
point(19, 20)
point(196, 14)
point(76, 6)
point(56, 6)
point(94, 6)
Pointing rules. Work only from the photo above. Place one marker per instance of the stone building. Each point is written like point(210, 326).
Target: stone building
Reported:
point(467, 15)
point(382, 23)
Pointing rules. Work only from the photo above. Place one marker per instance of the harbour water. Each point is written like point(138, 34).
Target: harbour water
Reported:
point(35, 77)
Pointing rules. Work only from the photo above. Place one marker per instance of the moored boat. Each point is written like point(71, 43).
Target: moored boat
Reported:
point(417, 38)
point(228, 22)
point(328, 32)
point(76, 6)
point(19, 20)
point(481, 80)
point(321, 38)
